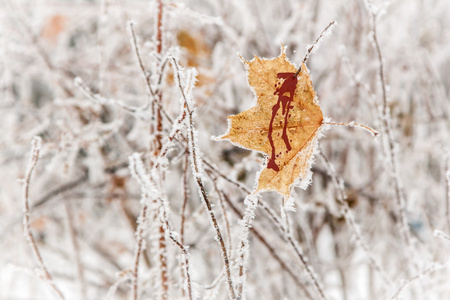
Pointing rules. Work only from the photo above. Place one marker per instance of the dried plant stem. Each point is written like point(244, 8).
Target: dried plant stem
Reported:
point(146, 181)
point(163, 262)
point(60, 189)
point(278, 223)
point(401, 202)
point(186, 266)
point(159, 26)
point(202, 191)
point(297, 249)
point(271, 250)
point(185, 197)
point(308, 268)
point(220, 196)
point(251, 203)
point(76, 250)
point(168, 230)
point(131, 220)
point(159, 42)
point(346, 212)
point(184, 204)
point(351, 124)
point(433, 268)
point(311, 48)
point(35, 150)
point(141, 64)
point(138, 251)
point(447, 194)
point(258, 235)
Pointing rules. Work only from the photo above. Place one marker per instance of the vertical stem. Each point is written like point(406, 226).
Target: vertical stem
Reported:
point(159, 27)
point(346, 212)
point(137, 255)
point(447, 194)
point(201, 187)
point(159, 41)
point(185, 198)
point(36, 145)
point(158, 146)
point(401, 203)
point(76, 250)
point(163, 262)
point(183, 210)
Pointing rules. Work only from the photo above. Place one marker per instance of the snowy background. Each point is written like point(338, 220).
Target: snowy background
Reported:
point(374, 223)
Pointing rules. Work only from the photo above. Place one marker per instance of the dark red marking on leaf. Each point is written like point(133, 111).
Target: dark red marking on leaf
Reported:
point(285, 96)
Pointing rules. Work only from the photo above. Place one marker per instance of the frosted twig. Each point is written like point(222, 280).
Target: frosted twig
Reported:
point(147, 183)
point(220, 196)
point(279, 225)
point(297, 249)
point(271, 250)
point(351, 124)
point(401, 202)
point(167, 146)
point(442, 235)
point(204, 196)
point(76, 250)
point(157, 108)
point(141, 64)
point(251, 203)
point(159, 17)
point(185, 197)
point(433, 268)
point(314, 45)
point(123, 276)
point(184, 204)
point(232, 181)
point(346, 212)
point(137, 252)
point(447, 189)
point(35, 150)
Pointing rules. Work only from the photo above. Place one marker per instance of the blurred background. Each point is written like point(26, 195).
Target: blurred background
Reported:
point(69, 74)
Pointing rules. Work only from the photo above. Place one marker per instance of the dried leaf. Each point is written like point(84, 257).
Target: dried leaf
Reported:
point(284, 124)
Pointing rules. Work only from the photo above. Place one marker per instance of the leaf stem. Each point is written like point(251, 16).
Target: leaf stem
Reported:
point(352, 124)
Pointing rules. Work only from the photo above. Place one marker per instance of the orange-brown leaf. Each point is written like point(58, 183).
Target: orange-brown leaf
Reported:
point(284, 124)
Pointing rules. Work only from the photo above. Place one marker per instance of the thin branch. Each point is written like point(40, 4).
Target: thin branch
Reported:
point(346, 212)
point(185, 197)
point(251, 204)
point(141, 64)
point(221, 196)
point(352, 124)
point(184, 204)
point(76, 250)
point(138, 251)
point(271, 249)
point(147, 183)
point(282, 230)
point(198, 179)
point(159, 28)
point(312, 47)
point(433, 268)
point(401, 202)
point(61, 189)
point(447, 189)
point(36, 146)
